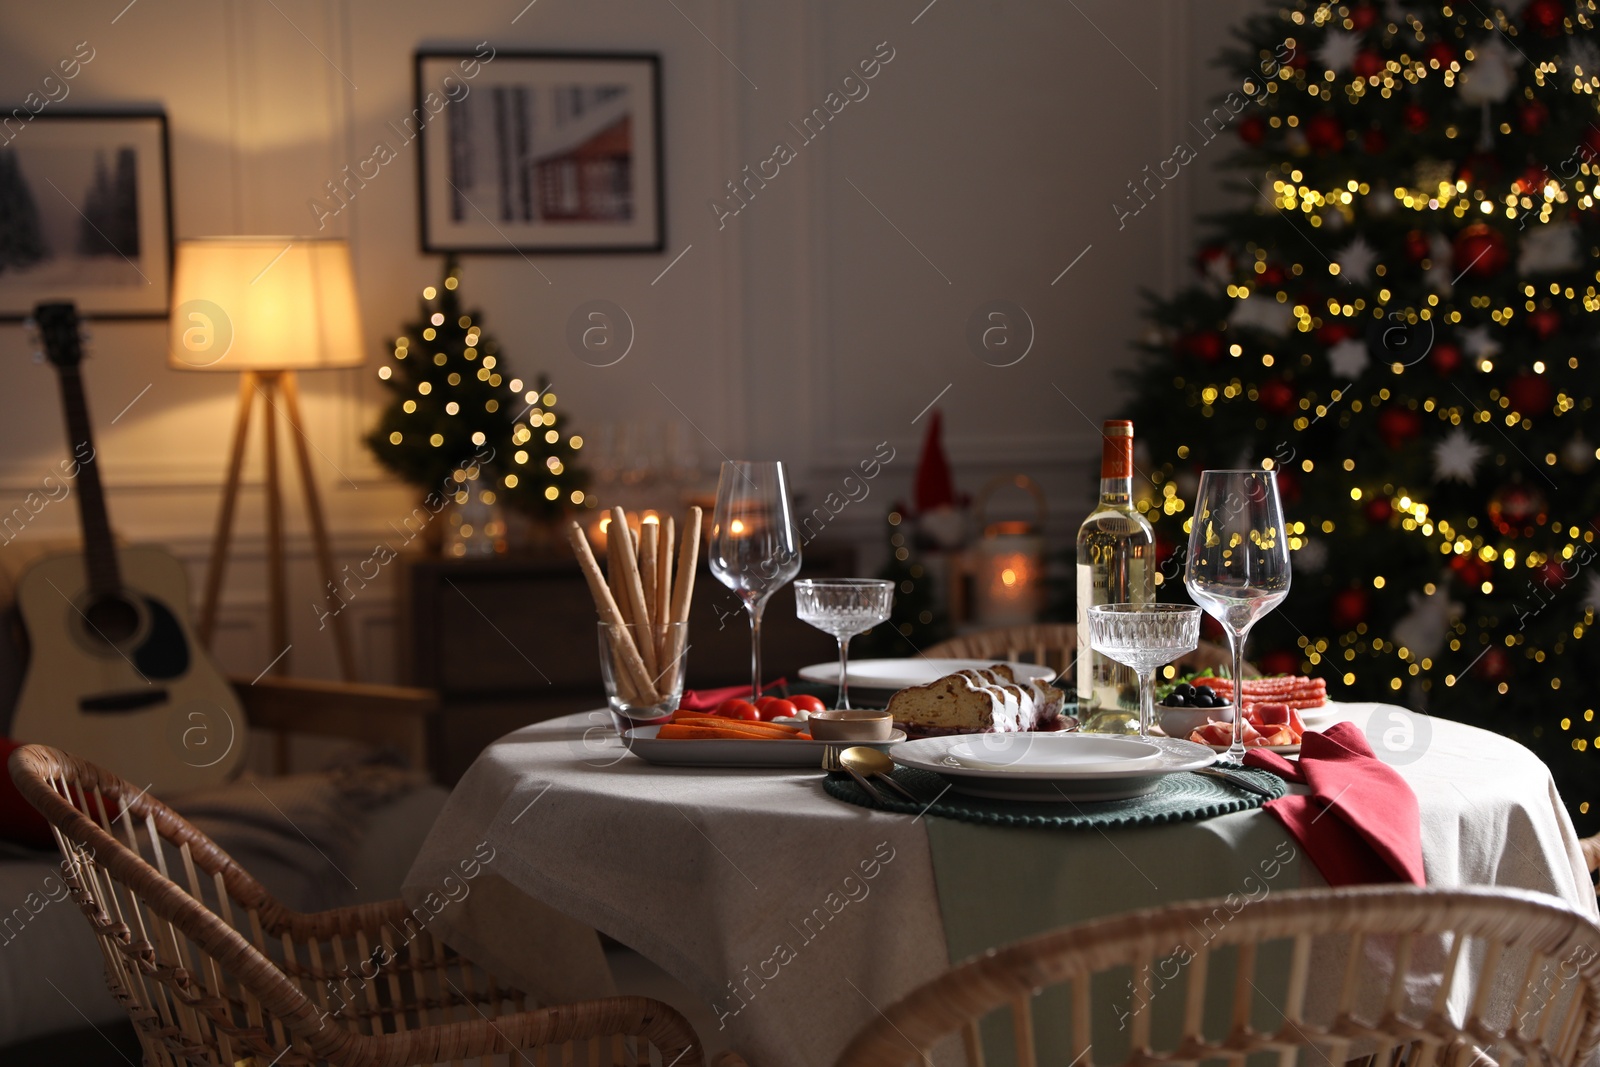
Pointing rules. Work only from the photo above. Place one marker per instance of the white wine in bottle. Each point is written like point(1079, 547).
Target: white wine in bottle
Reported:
point(1116, 565)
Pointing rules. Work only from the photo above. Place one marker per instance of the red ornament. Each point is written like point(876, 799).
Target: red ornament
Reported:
point(1441, 53)
point(1278, 661)
point(1375, 141)
point(1362, 17)
point(1331, 333)
point(1272, 277)
point(1530, 394)
point(1544, 17)
point(1416, 246)
point(1324, 133)
point(1480, 251)
point(1531, 181)
point(1591, 140)
point(1545, 323)
point(1206, 347)
point(1288, 485)
point(1212, 254)
point(1533, 116)
point(1494, 665)
point(1349, 607)
point(1276, 396)
point(1253, 130)
point(1479, 168)
point(1396, 426)
point(1517, 510)
point(1554, 575)
point(1414, 117)
point(1367, 64)
point(1211, 630)
point(1472, 571)
point(1378, 510)
point(1445, 358)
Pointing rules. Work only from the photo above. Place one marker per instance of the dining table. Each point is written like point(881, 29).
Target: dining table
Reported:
point(797, 917)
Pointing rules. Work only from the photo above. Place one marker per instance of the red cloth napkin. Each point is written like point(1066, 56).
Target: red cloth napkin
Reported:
point(708, 699)
point(1360, 824)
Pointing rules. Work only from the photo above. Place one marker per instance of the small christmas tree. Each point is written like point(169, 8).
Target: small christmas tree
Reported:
point(917, 620)
point(456, 418)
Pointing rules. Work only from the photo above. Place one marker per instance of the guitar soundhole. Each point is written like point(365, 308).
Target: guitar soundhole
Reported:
point(112, 620)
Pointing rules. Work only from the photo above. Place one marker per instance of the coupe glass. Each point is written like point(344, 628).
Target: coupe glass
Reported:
point(1144, 637)
point(755, 548)
point(1238, 561)
point(843, 607)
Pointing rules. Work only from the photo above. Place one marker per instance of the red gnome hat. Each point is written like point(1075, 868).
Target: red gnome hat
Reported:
point(935, 485)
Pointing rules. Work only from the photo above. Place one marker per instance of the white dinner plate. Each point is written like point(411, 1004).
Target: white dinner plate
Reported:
point(914, 670)
point(1052, 766)
point(727, 752)
point(1326, 715)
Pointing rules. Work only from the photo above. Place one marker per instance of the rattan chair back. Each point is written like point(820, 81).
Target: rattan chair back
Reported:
point(1464, 978)
point(214, 970)
point(1055, 645)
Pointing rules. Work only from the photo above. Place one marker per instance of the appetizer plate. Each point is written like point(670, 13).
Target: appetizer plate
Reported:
point(1326, 715)
point(914, 670)
point(726, 752)
point(1055, 767)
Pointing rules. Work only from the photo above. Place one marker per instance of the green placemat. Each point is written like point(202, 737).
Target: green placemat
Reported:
point(1179, 798)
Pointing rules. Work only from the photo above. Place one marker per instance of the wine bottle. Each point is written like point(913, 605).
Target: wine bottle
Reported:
point(1116, 565)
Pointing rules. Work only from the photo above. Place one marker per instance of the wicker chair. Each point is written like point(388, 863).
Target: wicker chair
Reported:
point(1055, 645)
point(215, 971)
point(1518, 944)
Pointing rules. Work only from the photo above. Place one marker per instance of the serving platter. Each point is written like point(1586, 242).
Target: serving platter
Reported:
point(1053, 767)
point(727, 752)
point(913, 670)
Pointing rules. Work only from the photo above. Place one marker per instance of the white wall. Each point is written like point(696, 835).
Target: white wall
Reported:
point(810, 327)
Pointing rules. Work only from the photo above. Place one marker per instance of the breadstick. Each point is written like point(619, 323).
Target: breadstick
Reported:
point(615, 546)
point(632, 664)
point(632, 586)
point(645, 628)
point(664, 593)
point(683, 588)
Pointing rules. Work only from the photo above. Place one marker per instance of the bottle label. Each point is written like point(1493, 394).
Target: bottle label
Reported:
point(1116, 452)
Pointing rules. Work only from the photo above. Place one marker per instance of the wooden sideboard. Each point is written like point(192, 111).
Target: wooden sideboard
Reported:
point(511, 640)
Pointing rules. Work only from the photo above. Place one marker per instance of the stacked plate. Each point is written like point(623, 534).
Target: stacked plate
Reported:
point(1056, 767)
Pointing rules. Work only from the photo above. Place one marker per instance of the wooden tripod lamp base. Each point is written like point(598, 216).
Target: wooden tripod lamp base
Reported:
point(273, 388)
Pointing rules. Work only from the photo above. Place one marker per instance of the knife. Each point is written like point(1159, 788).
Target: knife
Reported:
point(1238, 780)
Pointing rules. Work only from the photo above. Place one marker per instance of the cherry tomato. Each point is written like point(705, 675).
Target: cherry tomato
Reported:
point(737, 709)
point(761, 702)
point(807, 703)
point(775, 708)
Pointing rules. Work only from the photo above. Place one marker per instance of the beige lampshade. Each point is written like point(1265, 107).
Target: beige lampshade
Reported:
point(263, 303)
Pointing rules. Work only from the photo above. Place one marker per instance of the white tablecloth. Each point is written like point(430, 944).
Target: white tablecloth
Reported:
point(796, 915)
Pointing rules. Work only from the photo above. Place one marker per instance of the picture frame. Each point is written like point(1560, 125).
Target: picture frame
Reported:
point(85, 212)
point(539, 152)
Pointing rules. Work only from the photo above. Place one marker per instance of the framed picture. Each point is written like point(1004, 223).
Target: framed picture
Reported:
point(85, 213)
point(539, 152)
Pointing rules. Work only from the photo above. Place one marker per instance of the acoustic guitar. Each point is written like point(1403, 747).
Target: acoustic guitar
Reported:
point(115, 675)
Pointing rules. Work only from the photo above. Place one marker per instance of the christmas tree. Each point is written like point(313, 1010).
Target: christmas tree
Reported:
point(21, 239)
point(917, 620)
point(1397, 318)
point(456, 419)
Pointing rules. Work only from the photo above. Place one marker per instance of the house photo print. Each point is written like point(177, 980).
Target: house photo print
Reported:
point(541, 153)
point(84, 215)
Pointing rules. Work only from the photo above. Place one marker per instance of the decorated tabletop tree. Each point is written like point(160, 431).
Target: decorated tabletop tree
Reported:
point(458, 420)
point(1399, 318)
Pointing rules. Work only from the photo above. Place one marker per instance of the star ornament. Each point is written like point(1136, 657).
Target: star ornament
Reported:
point(1456, 458)
point(1338, 52)
point(1349, 358)
point(1478, 345)
point(1357, 260)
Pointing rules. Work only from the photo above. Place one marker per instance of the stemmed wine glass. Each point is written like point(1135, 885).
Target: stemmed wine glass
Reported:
point(1238, 562)
point(843, 607)
point(1144, 637)
point(755, 548)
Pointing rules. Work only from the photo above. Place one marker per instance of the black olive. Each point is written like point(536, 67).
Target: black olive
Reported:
point(1205, 700)
point(1185, 689)
point(1176, 700)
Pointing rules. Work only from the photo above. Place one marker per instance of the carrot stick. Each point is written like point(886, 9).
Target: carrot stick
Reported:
point(740, 727)
point(675, 732)
point(699, 716)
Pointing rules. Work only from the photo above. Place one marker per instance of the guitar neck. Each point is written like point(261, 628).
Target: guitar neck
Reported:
point(99, 551)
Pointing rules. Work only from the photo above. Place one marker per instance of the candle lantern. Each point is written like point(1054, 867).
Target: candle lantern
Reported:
point(1007, 564)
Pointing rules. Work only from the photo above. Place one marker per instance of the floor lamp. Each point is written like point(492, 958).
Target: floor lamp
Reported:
point(266, 308)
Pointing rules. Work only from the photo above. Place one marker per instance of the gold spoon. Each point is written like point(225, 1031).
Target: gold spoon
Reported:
point(860, 760)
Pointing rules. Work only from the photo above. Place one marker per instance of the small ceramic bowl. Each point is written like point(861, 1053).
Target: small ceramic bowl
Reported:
point(850, 725)
point(1181, 722)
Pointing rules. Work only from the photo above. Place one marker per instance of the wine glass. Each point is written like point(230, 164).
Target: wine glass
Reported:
point(1144, 637)
point(1238, 562)
point(843, 607)
point(755, 548)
